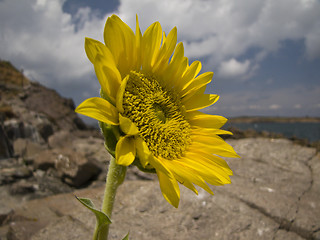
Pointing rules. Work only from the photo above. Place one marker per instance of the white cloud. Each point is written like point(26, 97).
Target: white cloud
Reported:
point(47, 43)
point(233, 68)
point(297, 106)
point(221, 30)
point(43, 40)
point(255, 107)
point(274, 107)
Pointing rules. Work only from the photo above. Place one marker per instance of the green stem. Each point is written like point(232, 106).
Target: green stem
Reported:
point(115, 177)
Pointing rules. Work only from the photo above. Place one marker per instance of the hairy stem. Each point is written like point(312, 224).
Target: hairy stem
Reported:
point(115, 177)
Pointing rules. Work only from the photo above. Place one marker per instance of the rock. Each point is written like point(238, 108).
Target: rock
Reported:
point(274, 195)
point(11, 170)
point(22, 187)
point(308, 203)
point(60, 139)
point(45, 160)
point(17, 129)
point(27, 149)
point(55, 107)
point(6, 149)
point(45, 130)
point(31, 111)
point(56, 230)
point(92, 148)
point(76, 169)
point(72, 167)
point(49, 184)
point(279, 175)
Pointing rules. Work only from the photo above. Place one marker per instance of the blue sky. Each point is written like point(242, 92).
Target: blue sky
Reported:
point(265, 54)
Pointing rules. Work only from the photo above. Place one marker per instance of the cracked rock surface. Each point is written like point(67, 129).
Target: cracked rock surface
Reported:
point(274, 194)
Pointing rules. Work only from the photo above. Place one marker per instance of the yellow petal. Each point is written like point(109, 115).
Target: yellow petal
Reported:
point(178, 55)
point(120, 39)
point(197, 83)
point(204, 120)
point(119, 99)
point(186, 175)
point(94, 47)
point(213, 162)
point(166, 51)
point(108, 76)
point(177, 66)
point(150, 45)
point(127, 126)
point(189, 76)
point(211, 173)
point(170, 43)
point(200, 101)
point(169, 188)
point(138, 37)
point(125, 151)
point(99, 109)
point(143, 151)
point(212, 159)
point(209, 131)
point(215, 144)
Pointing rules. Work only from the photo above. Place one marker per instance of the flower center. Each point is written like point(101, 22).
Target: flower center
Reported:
point(157, 112)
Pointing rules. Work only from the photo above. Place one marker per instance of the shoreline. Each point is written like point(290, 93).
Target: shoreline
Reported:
point(251, 133)
point(265, 119)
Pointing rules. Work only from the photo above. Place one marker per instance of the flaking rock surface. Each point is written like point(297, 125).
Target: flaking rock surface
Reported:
point(274, 195)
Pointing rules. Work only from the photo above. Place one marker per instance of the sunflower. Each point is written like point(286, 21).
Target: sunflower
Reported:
point(149, 104)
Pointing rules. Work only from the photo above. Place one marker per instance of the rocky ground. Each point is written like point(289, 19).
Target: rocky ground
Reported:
point(48, 156)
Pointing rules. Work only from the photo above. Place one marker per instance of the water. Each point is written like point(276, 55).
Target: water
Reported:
point(302, 130)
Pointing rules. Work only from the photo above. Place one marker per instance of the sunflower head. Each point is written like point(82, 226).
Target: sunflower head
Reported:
point(149, 108)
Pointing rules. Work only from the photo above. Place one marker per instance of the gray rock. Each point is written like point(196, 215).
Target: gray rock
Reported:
point(22, 187)
point(278, 176)
point(16, 128)
point(274, 195)
point(58, 109)
point(6, 149)
point(45, 129)
point(12, 169)
point(72, 167)
point(91, 147)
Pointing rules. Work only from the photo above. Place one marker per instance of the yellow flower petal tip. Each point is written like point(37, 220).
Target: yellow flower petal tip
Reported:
point(154, 95)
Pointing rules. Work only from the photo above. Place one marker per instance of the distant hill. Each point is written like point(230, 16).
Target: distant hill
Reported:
point(30, 110)
point(10, 76)
point(29, 101)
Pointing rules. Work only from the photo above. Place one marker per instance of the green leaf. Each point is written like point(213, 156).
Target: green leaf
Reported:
point(111, 134)
point(126, 237)
point(102, 218)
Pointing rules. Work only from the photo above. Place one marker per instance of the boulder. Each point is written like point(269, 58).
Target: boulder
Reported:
point(72, 167)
